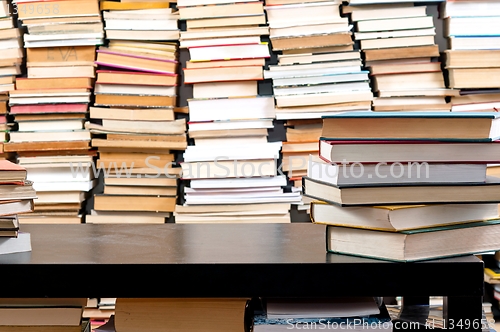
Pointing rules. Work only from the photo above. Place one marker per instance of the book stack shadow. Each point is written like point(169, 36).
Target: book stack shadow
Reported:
point(407, 186)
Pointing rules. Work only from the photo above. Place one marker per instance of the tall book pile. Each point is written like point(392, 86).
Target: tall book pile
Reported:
point(473, 56)
point(318, 73)
point(50, 105)
point(17, 196)
point(43, 314)
point(231, 166)
point(133, 120)
point(11, 58)
point(407, 186)
point(397, 40)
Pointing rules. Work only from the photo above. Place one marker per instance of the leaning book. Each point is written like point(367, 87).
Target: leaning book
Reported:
point(415, 245)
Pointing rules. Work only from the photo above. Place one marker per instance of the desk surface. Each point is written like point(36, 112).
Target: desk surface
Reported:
point(269, 260)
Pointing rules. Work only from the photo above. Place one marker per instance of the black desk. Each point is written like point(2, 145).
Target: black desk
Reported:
point(268, 260)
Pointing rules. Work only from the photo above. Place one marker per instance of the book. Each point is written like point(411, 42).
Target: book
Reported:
point(411, 173)
point(83, 327)
point(479, 127)
point(277, 308)
point(403, 194)
point(415, 245)
point(221, 315)
point(403, 217)
point(11, 245)
point(377, 151)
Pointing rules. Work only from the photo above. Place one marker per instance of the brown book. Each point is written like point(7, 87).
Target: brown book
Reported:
point(3, 107)
point(58, 207)
point(53, 83)
point(46, 146)
point(98, 142)
point(135, 101)
point(225, 63)
point(402, 52)
point(134, 203)
point(117, 77)
point(61, 54)
point(9, 33)
point(142, 191)
point(217, 315)
point(474, 78)
point(49, 117)
point(154, 138)
point(226, 21)
point(314, 41)
point(410, 126)
point(419, 67)
point(141, 114)
point(320, 50)
point(472, 58)
point(121, 59)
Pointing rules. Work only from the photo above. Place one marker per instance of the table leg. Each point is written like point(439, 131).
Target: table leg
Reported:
point(463, 313)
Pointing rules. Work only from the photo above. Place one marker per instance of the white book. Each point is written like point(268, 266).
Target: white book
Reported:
point(268, 74)
point(11, 245)
point(230, 125)
point(64, 186)
point(138, 24)
point(279, 180)
point(231, 109)
point(142, 90)
point(212, 53)
point(237, 152)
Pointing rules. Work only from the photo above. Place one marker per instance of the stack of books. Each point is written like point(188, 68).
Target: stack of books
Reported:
point(43, 314)
point(99, 310)
point(11, 58)
point(11, 47)
point(232, 167)
point(318, 73)
point(16, 197)
point(397, 40)
point(407, 186)
point(472, 59)
point(133, 120)
point(50, 105)
point(310, 314)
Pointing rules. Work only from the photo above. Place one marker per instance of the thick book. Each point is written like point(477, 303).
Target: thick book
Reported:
point(380, 151)
point(394, 194)
point(411, 173)
point(11, 173)
point(450, 126)
point(415, 245)
point(183, 314)
point(401, 217)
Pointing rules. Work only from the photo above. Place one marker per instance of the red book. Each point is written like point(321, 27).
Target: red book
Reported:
point(56, 108)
